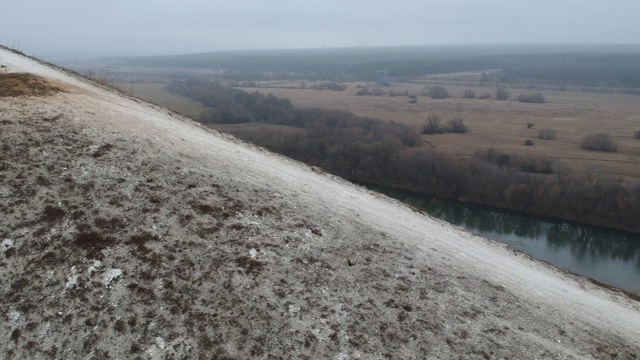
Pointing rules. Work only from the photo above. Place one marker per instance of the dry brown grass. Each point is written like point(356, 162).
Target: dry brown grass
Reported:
point(502, 124)
point(498, 124)
point(22, 84)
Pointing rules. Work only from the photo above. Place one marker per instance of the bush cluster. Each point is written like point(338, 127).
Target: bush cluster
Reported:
point(502, 94)
point(547, 134)
point(536, 98)
point(434, 126)
point(333, 86)
point(599, 142)
point(529, 164)
point(365, 91)
point(438, 92)
point(469, 94)
point(393, 93)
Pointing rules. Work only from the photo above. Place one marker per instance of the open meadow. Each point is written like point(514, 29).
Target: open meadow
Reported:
point(501, 124)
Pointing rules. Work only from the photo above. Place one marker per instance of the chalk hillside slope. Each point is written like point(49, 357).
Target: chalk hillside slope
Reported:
point(128, 231)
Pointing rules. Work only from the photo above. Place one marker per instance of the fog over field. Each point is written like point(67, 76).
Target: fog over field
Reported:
point(79, 28)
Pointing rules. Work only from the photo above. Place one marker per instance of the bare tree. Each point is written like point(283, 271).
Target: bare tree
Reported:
point(502, 94)
point(547, 134)
point(457, 125)
point(438, 92)
point(377, 91)
point(536, 98)
point(433, 125)
point(599, 142)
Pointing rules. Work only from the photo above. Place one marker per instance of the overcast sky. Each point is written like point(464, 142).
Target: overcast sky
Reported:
point(142, 27)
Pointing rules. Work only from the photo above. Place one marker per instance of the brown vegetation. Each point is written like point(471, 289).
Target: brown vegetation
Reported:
point(437, 92)
point(502, 123)
point(368, 150)
point(599, 142)
point(469, 94)
point(536, 98)
point(546, 134)
point(502, 94)
point(22, 84)
point(433, 126)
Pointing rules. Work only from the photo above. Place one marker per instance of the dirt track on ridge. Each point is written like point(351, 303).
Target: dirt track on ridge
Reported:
point(128, 231)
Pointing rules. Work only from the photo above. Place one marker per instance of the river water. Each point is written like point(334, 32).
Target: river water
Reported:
point(608, 256)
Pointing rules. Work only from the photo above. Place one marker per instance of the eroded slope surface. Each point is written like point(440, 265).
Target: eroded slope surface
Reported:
point(125, 239)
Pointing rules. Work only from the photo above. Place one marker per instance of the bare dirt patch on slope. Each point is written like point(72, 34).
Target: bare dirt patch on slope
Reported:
point(23, 84)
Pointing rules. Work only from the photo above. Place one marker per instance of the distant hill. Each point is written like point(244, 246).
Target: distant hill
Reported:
point(611, 65)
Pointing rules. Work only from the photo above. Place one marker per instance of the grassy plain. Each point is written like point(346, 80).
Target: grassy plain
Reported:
point(500, 124)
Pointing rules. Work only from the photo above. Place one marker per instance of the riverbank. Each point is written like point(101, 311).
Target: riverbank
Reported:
point(609, 257)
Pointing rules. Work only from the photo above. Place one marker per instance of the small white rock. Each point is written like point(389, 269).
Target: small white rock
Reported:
point(160, 342)
point(7, 244)
point(15, 317)
point(94, 267)
point(72, 278)
point(110, 275)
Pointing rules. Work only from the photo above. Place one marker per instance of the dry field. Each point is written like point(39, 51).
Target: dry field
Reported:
point(501, 124)
point(493, 123)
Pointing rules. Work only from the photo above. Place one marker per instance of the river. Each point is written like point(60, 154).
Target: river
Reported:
point(609, 256)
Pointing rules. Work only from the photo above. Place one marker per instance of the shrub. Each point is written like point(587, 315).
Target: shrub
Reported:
point(433, 125)
point(438, 92)
point(485, 96)
point(547, 134)
point(378, 92)
point(528, 142)
point(502, 94)
point(599, 142)
point(536, 98)
point(456, 125)
point(364, 91)
point(494, 156)
point(333, 86)
point(469, 94)
point(536, 165)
